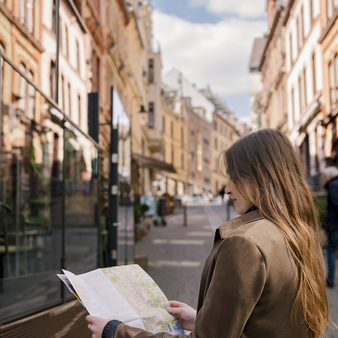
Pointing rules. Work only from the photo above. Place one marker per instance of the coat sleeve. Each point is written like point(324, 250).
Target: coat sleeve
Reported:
point(236, 286)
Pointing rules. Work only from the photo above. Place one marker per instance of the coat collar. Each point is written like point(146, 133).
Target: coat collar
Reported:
point(233, 224)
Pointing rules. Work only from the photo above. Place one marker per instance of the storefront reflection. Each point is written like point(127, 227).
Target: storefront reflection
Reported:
point(31, 197)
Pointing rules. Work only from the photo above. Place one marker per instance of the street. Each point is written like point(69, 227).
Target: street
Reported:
point(176, 255)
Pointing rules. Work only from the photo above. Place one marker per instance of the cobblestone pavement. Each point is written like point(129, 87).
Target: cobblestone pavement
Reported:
point(176, 255)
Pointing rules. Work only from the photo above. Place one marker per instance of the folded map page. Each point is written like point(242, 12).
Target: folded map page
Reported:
point(126, 293)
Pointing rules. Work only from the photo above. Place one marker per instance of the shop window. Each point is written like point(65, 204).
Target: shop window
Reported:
point(34, 244)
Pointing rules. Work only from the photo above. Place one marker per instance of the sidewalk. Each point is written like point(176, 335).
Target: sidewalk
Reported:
point(176, 255)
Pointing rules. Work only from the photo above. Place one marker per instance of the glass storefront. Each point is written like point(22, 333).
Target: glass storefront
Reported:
point(48, 200)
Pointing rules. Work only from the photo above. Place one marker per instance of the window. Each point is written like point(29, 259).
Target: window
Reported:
point(311, 11)
point(66, 42)
point(333, 70)
point(52, 79)
point(77, 48)
point(313, 64)
point(300, 29)
point(63, 103)
point(96, 73)
point(26, 8)
point(26, 101)
point(61, 34)
point(54, 17)
point(2, 49)
point(304, 87)
point(79, 104)
point(31, 97)
point(163, 124)
point(182, 137)
point(293, 107)
point(331, 5)
point(172, 154)
point(182, 160)
point(290, 49)
point(301, 94)
point(69, 101)
point(151, 71)
point(151, 119)
point(172, 129)
point(302, 35)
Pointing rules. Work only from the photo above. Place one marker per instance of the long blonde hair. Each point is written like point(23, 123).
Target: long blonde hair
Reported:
point(267, 171)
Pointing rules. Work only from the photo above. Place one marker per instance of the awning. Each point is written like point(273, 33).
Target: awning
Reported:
point(153, 163)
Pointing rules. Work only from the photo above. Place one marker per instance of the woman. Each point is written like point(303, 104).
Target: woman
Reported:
point(264, 276)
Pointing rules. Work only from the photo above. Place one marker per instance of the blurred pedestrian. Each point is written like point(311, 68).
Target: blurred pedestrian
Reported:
point(330, 178)
point(222, 193)
point(265, 274)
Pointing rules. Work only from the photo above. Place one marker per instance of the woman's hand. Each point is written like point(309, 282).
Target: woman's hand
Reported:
point(185, 313)
point(96, 325)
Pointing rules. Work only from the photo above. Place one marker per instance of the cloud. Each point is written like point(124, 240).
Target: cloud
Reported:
point(214, 54)
point(242, 8)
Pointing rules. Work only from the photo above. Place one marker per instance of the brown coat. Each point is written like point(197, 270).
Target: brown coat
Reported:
point(248, 286)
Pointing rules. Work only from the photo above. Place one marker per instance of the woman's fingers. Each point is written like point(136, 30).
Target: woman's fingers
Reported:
point(175, 303)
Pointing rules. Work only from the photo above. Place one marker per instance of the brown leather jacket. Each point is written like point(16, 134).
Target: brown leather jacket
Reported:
point(248, 286)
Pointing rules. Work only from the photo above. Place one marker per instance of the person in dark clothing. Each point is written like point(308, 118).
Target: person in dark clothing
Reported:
point(330, 175)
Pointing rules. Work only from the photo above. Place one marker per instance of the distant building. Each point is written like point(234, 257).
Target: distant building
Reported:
point(256, 108)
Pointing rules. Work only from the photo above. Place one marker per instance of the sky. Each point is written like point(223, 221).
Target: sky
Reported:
point(210, 42)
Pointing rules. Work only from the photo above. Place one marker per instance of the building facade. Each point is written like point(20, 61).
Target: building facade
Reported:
point(293, 95)
point(329, 45)
point(272, 67)
point(175, 143)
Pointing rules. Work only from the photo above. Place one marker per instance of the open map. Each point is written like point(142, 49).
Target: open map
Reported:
point(126, 293)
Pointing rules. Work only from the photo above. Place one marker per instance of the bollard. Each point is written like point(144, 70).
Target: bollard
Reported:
point(185, 216)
